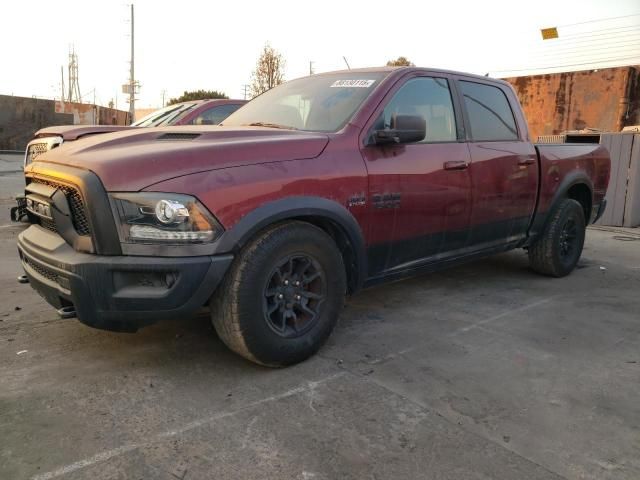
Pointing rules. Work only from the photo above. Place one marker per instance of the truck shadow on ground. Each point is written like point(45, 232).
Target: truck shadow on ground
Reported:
point(194, 339)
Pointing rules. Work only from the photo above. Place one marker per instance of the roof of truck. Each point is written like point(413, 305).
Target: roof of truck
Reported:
point(408, 69)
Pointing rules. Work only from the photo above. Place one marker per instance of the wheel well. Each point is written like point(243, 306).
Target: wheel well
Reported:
point(340, 237)
point(582, 194)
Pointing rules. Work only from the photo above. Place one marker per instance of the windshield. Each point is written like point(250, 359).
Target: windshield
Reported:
point(320, 103)
point(164, 116)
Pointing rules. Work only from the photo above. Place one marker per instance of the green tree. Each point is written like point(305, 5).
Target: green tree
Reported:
point(269, 71)
point(197, 95)
point(400, 62)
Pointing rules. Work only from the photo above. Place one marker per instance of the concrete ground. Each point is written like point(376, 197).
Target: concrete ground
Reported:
point(486, 371)
point(10, 175)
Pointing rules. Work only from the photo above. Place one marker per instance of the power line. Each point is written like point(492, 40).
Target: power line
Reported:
point(599, 33)
point(600, 20)
point(585, 49)
point(637, 57)
point(611, 36)
point(245, 90)
point(598, 57)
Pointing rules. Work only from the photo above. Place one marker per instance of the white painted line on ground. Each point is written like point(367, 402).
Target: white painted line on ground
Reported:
point(393, 355)
point(109, 454)
point(502, 315)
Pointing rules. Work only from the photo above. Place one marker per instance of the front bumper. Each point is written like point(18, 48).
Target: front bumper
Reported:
point(119, 293)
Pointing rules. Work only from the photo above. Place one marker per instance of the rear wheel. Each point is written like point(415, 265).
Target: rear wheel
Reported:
point(558, 249)
point(282, 296)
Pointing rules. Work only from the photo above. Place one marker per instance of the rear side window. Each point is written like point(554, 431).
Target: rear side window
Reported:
point(489, 112)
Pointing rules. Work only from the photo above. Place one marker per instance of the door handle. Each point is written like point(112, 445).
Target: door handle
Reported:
point(526, 161)
point(456, 165)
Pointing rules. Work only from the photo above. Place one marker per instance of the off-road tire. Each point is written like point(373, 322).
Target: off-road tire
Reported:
point(238, 310)
point(547, 255)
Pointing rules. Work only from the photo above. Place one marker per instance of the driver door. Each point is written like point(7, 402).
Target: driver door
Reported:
point(419, 193)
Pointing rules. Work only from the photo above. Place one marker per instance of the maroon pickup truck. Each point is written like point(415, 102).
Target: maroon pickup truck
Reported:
point(316, 189)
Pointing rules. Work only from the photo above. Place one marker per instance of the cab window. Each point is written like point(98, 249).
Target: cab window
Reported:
point(429, 98)
point(490, 115)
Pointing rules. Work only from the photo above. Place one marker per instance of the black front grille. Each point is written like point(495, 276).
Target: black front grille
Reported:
point(48, 224)
point(76, 205)
point(41, 269)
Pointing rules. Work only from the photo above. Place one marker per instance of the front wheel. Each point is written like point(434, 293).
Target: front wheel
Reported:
point(282, 296)
point(559, 247)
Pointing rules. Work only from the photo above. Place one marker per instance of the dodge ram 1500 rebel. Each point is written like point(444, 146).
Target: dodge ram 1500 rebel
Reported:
point(313, 190)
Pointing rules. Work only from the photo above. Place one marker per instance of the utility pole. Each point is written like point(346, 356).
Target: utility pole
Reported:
point(62, 83)
point(164, 92)
point(245, 90)
point(311, 67)
point(74, 82)
point(132, 81)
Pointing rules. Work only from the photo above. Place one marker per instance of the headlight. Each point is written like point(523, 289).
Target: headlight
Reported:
point(167, 218)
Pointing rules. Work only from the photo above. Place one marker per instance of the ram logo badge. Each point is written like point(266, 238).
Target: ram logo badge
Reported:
point(358, 200)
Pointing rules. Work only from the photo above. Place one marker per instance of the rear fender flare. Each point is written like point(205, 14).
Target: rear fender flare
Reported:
point(541, 219)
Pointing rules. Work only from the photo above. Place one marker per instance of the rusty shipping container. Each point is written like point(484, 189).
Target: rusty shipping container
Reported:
point(607, 99)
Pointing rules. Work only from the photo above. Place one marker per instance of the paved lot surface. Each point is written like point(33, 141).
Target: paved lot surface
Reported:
point(11, 181)
point(482, 372)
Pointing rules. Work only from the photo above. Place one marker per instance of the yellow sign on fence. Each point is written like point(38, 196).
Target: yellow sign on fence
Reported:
point(549, 33)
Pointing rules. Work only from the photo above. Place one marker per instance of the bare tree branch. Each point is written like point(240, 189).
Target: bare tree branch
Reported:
point(268, 72)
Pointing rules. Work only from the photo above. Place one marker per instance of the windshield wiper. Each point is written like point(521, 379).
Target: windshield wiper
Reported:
point(269, 125)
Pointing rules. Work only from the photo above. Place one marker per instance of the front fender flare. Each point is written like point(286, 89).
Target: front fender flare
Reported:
point(299, 207)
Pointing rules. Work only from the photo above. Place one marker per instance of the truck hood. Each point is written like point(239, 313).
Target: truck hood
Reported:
point(73, 132)
point(137, 158)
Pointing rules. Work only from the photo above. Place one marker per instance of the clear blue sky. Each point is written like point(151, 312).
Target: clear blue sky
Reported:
point(194, 44)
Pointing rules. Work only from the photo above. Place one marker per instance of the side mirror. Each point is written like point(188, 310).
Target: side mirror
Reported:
point(404, 129)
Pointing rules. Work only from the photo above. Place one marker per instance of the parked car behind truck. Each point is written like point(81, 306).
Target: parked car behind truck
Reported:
point(195, 112)
point(316, 189)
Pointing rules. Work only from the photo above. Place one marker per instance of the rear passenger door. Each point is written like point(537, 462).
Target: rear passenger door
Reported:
point(504, 174)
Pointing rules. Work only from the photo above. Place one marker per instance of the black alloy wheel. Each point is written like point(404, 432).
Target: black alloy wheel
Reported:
point(293, 295)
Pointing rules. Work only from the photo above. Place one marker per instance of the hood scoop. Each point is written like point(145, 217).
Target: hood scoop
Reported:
point(178, 136)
